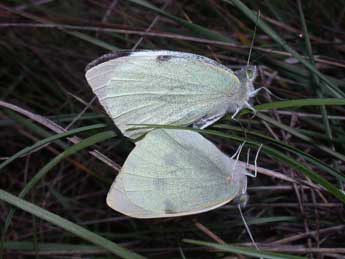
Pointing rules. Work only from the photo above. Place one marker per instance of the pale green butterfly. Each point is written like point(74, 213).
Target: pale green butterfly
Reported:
point(168, 88)
point(173, 173)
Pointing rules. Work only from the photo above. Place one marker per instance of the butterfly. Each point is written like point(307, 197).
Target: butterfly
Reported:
point(168, 88)
point(173, 173)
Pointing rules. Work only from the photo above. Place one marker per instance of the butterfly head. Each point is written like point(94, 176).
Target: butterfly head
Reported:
point(241, 199)
point(250, 72)
point(247, 76)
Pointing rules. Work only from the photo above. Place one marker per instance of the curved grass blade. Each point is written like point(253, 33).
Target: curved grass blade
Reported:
point(34, 127)
point(41, 173)
point(266, 220)
point(269, 31)
point(193, 27)
point(71, 116)
point(243, 250)
point(288, 148)
point(58, 248)
point(315, 80)
point(47, 141)
point(68, 226)
point(79, 35)
point(301, 136)
point(287, 160)
point(296, 103)
point(38, 119)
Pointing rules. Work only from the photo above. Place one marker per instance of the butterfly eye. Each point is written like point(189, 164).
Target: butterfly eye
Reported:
point(251, 73)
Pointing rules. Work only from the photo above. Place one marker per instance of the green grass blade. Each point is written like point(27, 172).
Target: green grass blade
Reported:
point(301, 136)
point(275, 36)
point(297, 103)
point(275, 154)
point(315, 79)
point(59, 248)
point(286, 147)
point(47, 141)
point(68, 226)
point(243, 250)
point(76, 34)
point(41, 173)
point(261, 221)
point(193, 27)
point(33, 127)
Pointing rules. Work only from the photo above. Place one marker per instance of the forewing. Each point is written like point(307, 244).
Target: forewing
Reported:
point(161, 87)
point(172, 173)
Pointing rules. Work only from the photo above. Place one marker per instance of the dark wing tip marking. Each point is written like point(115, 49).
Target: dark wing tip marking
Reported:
point(107, 57)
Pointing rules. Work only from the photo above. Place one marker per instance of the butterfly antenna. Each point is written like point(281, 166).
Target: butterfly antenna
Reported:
point(252, 43)
point(247, 227)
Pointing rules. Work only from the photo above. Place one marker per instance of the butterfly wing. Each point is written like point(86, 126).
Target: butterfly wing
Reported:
point(118, 200)
point(161, 87)
point(174, 173)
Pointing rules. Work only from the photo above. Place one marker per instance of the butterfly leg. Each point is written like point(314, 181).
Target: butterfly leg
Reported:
point(256, 91)
point(238, 151)
point(247, 105)
point(236, 112)
point(206, 121)
point(255, 163)
point(237, 154)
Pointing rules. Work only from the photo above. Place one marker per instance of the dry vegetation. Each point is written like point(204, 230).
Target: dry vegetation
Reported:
point(296, 202)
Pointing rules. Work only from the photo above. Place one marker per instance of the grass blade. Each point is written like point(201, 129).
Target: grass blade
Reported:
point(193, 27)
point(68, 226)
point(298, 103)
point(47, 141)
point(301, 136)
point(275, 36)
point(288, 148)
point(242, 250)
point(68, 152)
